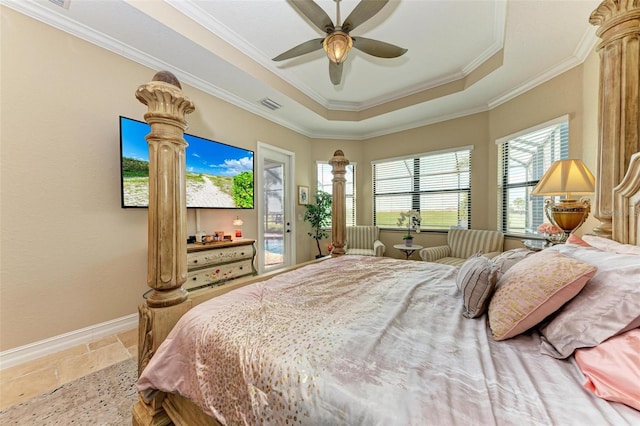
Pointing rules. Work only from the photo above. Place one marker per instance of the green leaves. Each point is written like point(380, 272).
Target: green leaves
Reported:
point(319, 216)
point(242, 191)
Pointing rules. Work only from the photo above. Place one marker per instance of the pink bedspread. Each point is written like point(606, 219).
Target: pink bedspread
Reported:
point(365, 340)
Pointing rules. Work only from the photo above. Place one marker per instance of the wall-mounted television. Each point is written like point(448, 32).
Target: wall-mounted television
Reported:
point(218, 176)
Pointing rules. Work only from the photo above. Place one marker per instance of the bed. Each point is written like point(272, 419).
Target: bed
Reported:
point(365, 340)
point(373, 341)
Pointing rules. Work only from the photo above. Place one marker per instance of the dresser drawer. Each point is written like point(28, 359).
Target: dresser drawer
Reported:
point(202, 259)
point(218, 274)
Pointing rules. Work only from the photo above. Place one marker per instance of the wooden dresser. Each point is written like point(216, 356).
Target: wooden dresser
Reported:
point(215, 263)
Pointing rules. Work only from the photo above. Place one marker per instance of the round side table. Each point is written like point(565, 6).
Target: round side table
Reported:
point(407, 250)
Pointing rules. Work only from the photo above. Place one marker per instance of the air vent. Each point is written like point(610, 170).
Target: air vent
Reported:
point(61, 3)
point(270, 103)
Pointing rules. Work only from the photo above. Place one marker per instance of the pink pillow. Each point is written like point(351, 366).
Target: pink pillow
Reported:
point(612, 369)
point(533, 289)
point(577, 241)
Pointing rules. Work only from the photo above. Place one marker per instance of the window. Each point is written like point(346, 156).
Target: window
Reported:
point(325, 184)
point(522, 160)
point(436, 184)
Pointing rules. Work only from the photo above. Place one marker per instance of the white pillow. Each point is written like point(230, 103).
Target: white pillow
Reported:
point(610, 245)
point(608, 305)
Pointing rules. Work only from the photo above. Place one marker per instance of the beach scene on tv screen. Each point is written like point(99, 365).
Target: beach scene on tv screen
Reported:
point(217, 175)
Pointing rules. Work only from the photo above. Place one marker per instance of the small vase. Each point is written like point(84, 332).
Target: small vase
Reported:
point(408, 242)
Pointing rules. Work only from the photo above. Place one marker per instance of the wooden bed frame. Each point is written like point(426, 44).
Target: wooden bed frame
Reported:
point(617, 199)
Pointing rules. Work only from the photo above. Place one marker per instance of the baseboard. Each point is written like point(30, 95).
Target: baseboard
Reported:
point(15, 356)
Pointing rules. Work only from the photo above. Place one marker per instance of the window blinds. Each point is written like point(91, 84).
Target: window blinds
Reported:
point(437, 184)
point(522, 159)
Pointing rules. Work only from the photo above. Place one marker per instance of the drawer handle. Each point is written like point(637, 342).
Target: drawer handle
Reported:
point(241, 268)
point(195, 261)
point(194, 278)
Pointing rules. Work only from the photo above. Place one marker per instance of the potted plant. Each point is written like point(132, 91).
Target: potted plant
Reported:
point(319, 216)
point(413, 222)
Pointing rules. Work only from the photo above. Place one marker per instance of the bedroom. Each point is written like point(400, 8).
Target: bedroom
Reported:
point(73, 259)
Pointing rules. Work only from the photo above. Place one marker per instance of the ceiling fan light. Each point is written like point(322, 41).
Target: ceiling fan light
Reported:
point(337, 46)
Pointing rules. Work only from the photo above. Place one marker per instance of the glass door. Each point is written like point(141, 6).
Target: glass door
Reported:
point(275, 209)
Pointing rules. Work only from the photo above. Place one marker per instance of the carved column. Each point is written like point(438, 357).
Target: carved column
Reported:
point(167, 246)
point(167, 256)
point(619, 102)
point(338, 207)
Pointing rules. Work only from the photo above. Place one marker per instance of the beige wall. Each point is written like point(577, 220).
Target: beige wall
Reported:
point(590, 93)
point(70, 257)
point(573, 93)
point(465, 131)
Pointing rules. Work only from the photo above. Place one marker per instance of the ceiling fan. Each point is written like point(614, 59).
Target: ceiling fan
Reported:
point(338, 42)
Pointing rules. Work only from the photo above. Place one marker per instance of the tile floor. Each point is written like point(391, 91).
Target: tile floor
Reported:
point(32, 378)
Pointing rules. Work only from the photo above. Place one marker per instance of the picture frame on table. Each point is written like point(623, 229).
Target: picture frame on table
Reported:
point(303, 195)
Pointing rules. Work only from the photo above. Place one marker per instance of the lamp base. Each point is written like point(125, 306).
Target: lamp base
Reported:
point(569, 214)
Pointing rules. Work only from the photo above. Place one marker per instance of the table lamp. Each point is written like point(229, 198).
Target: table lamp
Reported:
point(566, 177)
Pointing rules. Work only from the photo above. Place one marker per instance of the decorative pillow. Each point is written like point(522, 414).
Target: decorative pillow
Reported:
point(533, 289)
point(610, 245)
point(507, 259)
point(612, 369)
point(606, 307)
point(577, 241)
point(476, 280)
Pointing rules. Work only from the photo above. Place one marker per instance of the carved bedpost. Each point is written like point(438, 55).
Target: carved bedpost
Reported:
point(167, 246)
point(167, 253)
point(167, 257)
point(338, 207)
point(619, 103)
point(626, 198)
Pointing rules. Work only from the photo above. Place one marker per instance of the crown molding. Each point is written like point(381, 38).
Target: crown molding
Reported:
point(217, 27)
point(586, 45)
point(99, 39)
point(62, 22)
point(403, 127)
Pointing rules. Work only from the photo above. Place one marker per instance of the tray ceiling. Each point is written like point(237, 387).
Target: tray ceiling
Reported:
point(464, 56)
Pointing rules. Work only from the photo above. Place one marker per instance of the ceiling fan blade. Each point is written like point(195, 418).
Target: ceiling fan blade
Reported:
point(335, 72)
point(301, 49)
point(363, 12)
point(314, 13)
point(377, 48)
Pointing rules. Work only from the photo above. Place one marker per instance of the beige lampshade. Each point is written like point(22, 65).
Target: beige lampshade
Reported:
point(337, 46)
point(566, 177)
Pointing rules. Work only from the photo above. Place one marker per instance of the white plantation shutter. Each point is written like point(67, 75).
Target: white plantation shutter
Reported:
point(325, 184)
point(522, 160)
point(437, 184)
